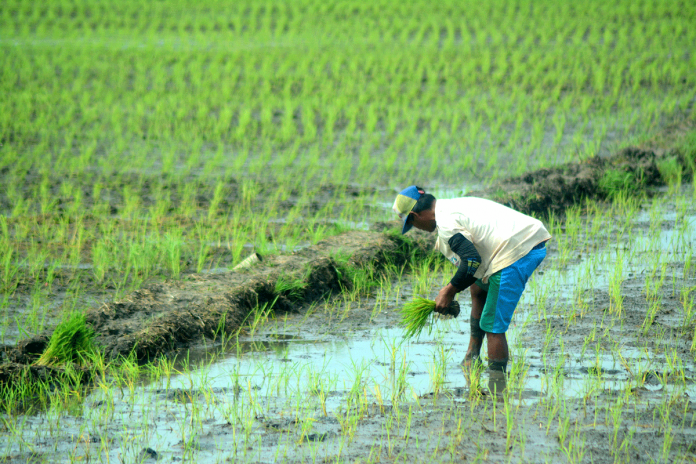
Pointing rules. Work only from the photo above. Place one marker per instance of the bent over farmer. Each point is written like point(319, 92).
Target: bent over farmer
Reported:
point(495, 248)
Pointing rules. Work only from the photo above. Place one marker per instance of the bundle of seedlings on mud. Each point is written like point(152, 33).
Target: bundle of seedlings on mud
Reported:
point(414, 315)
point(71, 342)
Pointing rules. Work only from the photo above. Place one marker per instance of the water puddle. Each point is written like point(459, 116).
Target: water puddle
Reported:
point(383, 364)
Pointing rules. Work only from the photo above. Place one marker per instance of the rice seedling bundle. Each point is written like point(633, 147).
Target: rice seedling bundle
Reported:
point(71, 342)
point(415, 314)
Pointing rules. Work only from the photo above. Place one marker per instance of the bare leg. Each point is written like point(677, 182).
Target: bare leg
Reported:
point(478, 301)
point(497, 350)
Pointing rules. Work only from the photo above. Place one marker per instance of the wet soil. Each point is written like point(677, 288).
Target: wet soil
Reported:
point(556, 189)
point(465, 421)
point(163, 317)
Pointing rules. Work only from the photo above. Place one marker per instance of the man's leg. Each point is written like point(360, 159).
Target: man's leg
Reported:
point(497, 351)
point(478, 301)
point(505, 288)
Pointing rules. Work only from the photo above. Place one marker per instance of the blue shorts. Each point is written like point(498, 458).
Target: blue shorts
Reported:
point(505, 289)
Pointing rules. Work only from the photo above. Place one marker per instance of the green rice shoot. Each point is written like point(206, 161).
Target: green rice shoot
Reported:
point(414, 316)
point(71, 342)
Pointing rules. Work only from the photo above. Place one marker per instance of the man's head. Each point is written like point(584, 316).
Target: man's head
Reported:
point(416, 208)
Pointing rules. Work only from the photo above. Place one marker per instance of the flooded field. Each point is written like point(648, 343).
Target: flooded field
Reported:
point(148, 148)
point(602, 370)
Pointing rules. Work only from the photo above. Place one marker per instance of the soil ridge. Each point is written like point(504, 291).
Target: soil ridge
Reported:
point(553, 190)
point(166, 316)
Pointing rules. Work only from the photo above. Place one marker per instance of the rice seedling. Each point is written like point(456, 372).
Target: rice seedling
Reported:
point(72, 342)
point(134, 165)
point(293, 289)
point(415, 314)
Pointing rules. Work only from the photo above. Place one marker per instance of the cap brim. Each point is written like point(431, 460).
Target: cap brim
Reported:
point(406, 227)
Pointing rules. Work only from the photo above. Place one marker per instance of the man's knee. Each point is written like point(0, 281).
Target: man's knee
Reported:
point(476, 331)
point(477, 292)
point(478, 300)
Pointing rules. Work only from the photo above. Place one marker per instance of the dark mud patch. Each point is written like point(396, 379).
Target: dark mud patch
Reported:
point(26, 351)
point(554, 190)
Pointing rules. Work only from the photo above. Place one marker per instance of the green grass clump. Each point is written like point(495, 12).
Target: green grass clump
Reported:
point(614, 182)
point(670, 170)
point(293, 289)
point(71, 342)
point(414, 315)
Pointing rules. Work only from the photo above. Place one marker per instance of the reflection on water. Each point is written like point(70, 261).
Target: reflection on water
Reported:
point(379, 358)
point(497, 382)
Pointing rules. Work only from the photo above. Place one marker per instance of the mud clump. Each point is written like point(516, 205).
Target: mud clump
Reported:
point(13, 373)
point(174, 314)
point(27, 351)
point(553, 190)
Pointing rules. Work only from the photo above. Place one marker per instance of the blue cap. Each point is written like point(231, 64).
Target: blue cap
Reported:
point(404, 203)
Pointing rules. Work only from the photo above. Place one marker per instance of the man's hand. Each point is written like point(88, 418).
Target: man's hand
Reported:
point(444, 298)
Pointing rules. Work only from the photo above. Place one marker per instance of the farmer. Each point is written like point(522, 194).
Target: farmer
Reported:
point(495, 248)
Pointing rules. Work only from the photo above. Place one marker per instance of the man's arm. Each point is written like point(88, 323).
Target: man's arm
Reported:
point(469, 261)
point(464, 277)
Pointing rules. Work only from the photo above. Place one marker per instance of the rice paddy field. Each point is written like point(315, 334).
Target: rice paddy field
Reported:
point(149, 145)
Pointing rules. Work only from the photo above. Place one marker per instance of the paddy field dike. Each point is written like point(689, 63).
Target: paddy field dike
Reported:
point(148, 148)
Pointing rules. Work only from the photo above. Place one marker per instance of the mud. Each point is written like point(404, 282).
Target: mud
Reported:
point(451, 426)
point(558, 188)
point(554, 190)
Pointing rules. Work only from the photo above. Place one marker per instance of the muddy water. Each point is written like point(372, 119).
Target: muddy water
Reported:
point(340, 383)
